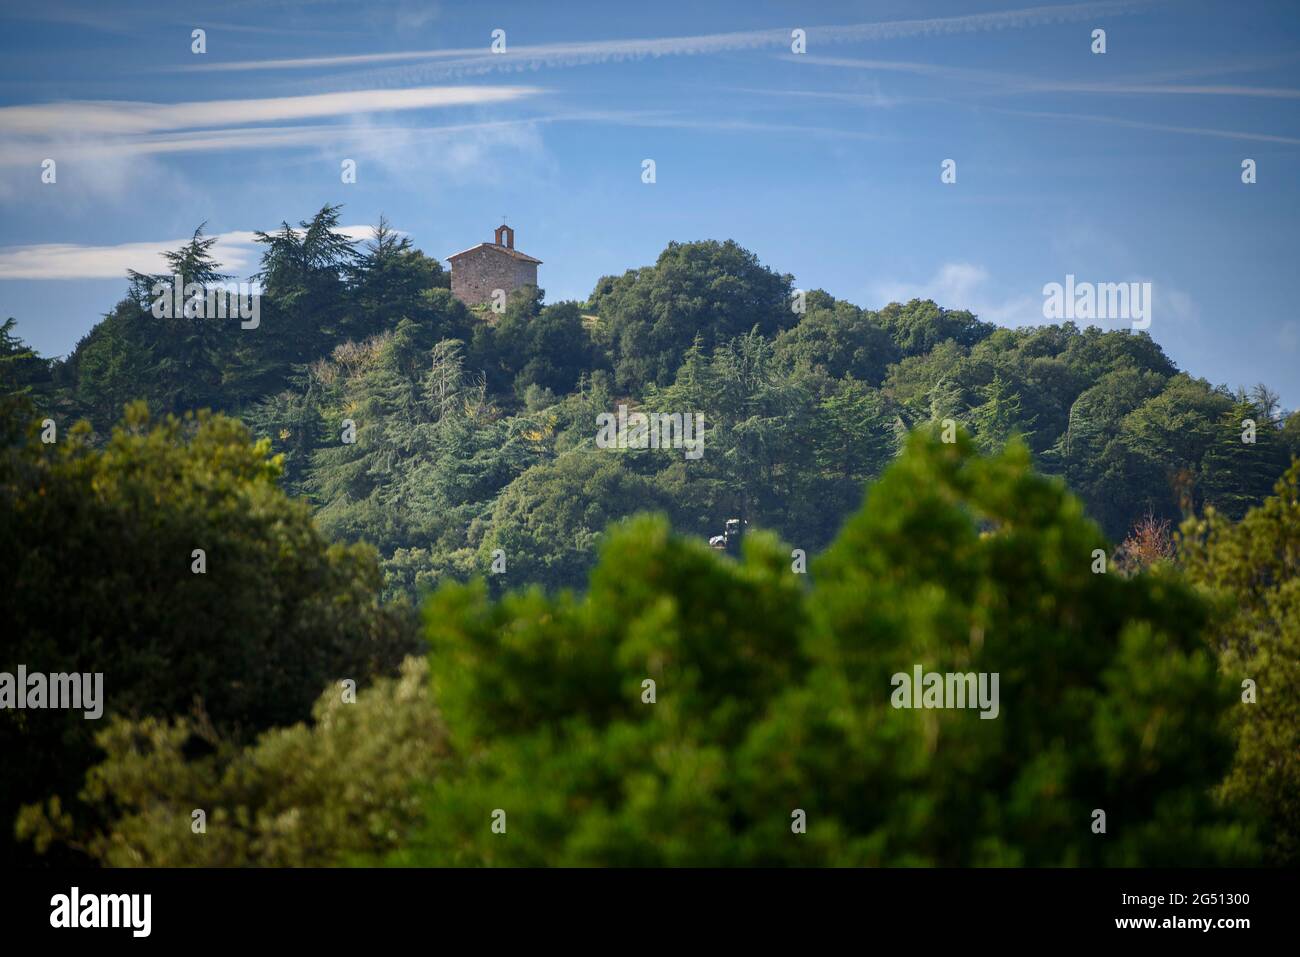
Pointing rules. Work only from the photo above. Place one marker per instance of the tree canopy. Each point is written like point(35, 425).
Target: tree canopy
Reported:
point(171, 562)
point(374, 440)
point(687, 708)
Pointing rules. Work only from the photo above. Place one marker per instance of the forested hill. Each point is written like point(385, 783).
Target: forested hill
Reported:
point(476, 432)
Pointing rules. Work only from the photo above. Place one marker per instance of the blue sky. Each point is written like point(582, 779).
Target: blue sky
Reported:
point(1124, 166)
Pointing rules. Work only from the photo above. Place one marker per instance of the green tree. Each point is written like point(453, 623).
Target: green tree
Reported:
point(531, 345)
point(1245, 457)
point(193, 262)
point(769, 697)
point(1174, 430)
point(1117, 484)
point(549, 520)
point(854, 441)
point(309, 795)
point(709, 291)
point(965, 564)
point(762, 427)
point(389, 277)
point(175, 362)
point(303, 308)
point(21, 370)
point(920, 325)
point(100, 571)
point(840, 339)
point(430, 451)
point(1253, 570)
point(112, 365)
point(188, 353)
point(999, 416)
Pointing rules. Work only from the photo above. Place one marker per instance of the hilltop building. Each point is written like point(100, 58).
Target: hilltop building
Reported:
point(480, 270)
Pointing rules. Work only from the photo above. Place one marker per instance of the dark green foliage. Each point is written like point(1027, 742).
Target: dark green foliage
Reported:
point(963, 564)
point(548, 522)
point(532, 346)
point(303, 796)
point(770, 698)
point(838, 339)
point(130, 355)
point(1246, 455)
point(1252, 569)
point(783, 450)
point(97, 564)
point(705, 292)
point(475, 440)
point(431, 451)
point(800, 409)
point(317, 290)
point(22, 371)
point(920, 325)
point(390, 280)
point(1000, 416)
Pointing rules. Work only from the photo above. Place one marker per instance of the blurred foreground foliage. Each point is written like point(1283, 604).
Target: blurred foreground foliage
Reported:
point(1253, 570)
point(772, 696)
point(97, 558)
point(302, 796)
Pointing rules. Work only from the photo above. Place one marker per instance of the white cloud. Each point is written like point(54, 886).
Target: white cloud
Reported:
point(100, 146)
point(237, 251)
point(1159, 127)
point(1288, 335)
point(1163, 89)
point(479, 59)
point(952, 286)
point(1010, 83)
point(962, 285)
point(1173, 303)
point(484, 151)
point(199, 141)
point(117, 117)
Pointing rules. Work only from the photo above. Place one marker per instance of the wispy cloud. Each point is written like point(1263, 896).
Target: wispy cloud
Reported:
point(1157, 127)
point(1288, 335)
point(461, 61)
point(937, 70)
point(124, 117)
point(952, 285)
point(1014, 84)
point(237, 251)
point(94, 18)
point(671, 120)
point(361, 137)
point(1164, 89)
point(963, 285)
point(98, 145)
point(874, 98)
point(392, 145)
